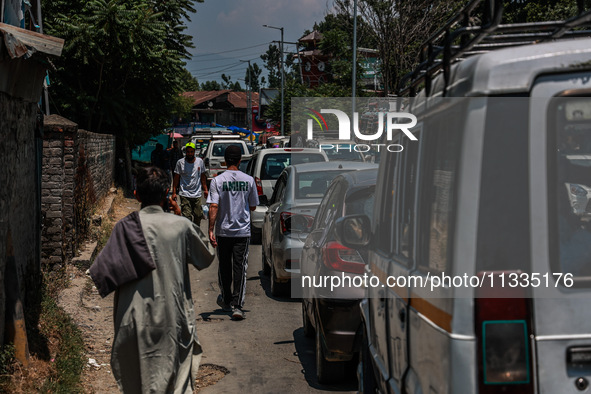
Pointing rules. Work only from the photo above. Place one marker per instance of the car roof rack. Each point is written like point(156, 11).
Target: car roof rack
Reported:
point(459, 39)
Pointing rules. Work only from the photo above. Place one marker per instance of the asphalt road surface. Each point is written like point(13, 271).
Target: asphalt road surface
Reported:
point(267, 352)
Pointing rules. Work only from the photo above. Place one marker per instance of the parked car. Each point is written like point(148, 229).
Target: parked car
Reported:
point(332, 316)
point(298, 192)
point(480, 194)
point(213, 156)
point(265, 167)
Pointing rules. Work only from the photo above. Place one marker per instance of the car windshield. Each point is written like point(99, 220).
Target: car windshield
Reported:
point(220, 148)
point(243, 165)
point(314, 184)
point(341, 152)
point(273, 164)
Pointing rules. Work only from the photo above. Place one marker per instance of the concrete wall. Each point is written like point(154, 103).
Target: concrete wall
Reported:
point(19, 214)
point(77, 172)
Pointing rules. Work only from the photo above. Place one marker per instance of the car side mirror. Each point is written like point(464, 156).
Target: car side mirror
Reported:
point(263, 200)
point(353, 231)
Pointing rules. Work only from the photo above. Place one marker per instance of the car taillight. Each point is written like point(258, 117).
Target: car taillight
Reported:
point(341, 258)
point(259, 184)
point(503, 330)
point(286, 227)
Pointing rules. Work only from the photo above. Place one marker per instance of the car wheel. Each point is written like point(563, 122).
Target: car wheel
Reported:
point(367, 380)
point(308, 328)
point(265, 266)
point(327, 371)
point(277, 289)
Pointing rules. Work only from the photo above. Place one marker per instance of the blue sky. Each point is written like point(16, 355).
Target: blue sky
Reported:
point(234, 28)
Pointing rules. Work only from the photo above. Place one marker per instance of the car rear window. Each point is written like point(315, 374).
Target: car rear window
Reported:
point(342, 153)
point(220, 149)
point(314, 184)
point(273, 164)
point(570, 184)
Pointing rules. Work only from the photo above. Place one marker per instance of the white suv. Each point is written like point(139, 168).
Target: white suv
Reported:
point(213, 157)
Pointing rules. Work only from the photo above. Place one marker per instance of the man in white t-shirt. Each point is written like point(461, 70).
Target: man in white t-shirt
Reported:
point(190, 182)
point(232, 195)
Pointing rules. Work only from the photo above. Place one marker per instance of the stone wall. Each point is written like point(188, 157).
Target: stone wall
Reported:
point(19, 198)
point(77, 171)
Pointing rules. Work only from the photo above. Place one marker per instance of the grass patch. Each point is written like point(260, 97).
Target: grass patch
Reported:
point(104, 234)
point(56, 348)
point(69, 360)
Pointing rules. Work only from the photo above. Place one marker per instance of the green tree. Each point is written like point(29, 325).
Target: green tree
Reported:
point(211, 85)
point(253, 72)
point(398, 28)
point(122, 67)
point(188, 82)
point(541, 10)
point(228, 84)
point(272, 62)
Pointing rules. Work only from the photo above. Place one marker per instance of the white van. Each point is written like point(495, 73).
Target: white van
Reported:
point(481, 194)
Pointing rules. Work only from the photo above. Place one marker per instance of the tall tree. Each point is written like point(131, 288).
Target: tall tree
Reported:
point(542, 10)
point(398, 28)
point(228, 84)
point(272, 62)
point(122, 66)
point(253, 72)
point(188, 82)
point(211, 85)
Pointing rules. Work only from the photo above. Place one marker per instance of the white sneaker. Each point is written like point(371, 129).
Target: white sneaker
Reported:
point(238, 314)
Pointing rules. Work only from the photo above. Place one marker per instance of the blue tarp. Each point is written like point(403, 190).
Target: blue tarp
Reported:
point(143, 152)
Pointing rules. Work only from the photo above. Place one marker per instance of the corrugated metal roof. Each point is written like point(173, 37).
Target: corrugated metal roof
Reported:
point(236, 99)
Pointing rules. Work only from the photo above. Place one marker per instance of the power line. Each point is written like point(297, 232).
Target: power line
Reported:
point(225, 58)
point(231, 50)
point(218, 71)
point(217, 67)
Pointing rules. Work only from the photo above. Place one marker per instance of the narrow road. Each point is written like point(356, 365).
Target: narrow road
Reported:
point(265, 353)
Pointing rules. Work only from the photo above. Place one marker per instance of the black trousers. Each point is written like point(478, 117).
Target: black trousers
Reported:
point(233, 262)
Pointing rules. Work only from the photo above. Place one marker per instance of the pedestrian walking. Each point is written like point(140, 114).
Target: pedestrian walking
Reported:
point(157, 156)
point(175, 154)
point(145, 261)
point(232, 195)
point(190, 183)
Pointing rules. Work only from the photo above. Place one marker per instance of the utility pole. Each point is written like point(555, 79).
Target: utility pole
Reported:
point(282, 78)
point(249, 97)
point(354, 76)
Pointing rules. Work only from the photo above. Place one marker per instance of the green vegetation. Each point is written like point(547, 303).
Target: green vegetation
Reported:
point(69, 358)
point(122, 64)
point(55, 343)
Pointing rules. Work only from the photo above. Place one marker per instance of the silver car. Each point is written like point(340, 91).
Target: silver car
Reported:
point(265, 167)
point(290, 216)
